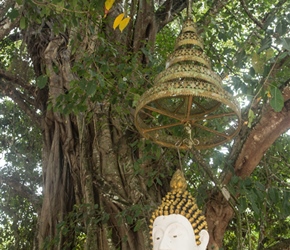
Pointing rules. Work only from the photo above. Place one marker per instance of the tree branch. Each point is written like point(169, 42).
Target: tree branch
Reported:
point(249, 13)
point(259, 23)
point(9, 84)
point(6, 25)
point(17, 80)
point(262, 136)
point(215, 8)
point(168, 11)
point(22, 191)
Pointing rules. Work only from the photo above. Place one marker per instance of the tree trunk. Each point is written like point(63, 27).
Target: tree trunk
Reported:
point(88, 175)
point(93, 197)
point(218, 215)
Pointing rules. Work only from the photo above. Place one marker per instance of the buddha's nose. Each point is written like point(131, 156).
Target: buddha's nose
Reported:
point(165, 243)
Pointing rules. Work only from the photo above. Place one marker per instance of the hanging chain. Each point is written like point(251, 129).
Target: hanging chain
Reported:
point(189, 9)
point(189, 141)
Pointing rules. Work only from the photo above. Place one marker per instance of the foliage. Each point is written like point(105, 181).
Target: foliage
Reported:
point(264, 202)
point(75, 221)
point(249, 53)
point(244, 50)
point(19, 170)
point(18, 221)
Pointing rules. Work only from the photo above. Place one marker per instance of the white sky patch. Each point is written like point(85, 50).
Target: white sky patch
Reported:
point(2, 161)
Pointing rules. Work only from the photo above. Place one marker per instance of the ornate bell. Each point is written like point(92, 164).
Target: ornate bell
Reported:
point(187, 106)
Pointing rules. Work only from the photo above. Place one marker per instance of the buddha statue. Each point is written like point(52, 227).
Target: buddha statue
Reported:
point(178, 224)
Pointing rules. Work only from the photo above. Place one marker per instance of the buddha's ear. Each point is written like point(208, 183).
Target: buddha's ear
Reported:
point(204, 238)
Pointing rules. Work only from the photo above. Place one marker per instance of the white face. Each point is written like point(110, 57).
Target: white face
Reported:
point(174, 232)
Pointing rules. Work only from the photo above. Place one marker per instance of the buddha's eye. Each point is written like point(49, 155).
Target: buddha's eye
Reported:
point(158, 234)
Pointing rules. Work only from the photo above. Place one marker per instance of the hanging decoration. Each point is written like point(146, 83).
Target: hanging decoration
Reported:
point(187, 106)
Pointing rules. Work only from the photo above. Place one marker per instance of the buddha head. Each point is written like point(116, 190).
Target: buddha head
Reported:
point(178, 223)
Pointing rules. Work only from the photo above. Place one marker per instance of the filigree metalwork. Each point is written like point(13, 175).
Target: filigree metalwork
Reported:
point(187, 106)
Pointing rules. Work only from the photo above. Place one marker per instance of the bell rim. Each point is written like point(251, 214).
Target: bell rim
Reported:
point(154, 94)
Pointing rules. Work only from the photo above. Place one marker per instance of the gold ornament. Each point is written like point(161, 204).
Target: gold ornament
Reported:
point(180, 201)
point(187, 106)
point(178, 182)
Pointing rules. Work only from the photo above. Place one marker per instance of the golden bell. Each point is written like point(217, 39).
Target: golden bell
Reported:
point(187, 106)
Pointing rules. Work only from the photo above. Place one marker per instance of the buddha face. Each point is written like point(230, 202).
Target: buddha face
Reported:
point(174, 232)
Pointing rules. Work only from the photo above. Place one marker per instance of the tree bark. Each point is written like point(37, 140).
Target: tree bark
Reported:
point(87, 163)
point(271, 125)
point(218, 215)
point(88, 174)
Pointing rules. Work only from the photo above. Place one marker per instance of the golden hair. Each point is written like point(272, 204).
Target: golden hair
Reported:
point(180, 201)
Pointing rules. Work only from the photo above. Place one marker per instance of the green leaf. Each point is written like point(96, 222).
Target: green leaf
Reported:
point(274, 195)
point(135, 100)
point(251, 117)
point(269, 54)
point(83, 84)
point(159, 181)
point(277, 99)
point(258, 63)
point(242, 204)
point(45, 11)
point(91, 88)
point(254, 202)
point(286, 43)
point(138, 225)
point(101, 80)
point(286, 204)
point(269, 20)
point(129, 219)
point(240, 59)
point(281, 28)
point(288, 17)
point(252, 72)
point(149, 182)
point(283, 55)
point(265, 44)
point(22, 23)
point(14, 13)
point(259, 190)
point(59, 6)
point(41, 81)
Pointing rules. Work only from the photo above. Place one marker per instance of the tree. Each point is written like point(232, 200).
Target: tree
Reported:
point(77, 80)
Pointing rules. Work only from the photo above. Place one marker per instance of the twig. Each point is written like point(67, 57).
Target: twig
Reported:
point(255, 20)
